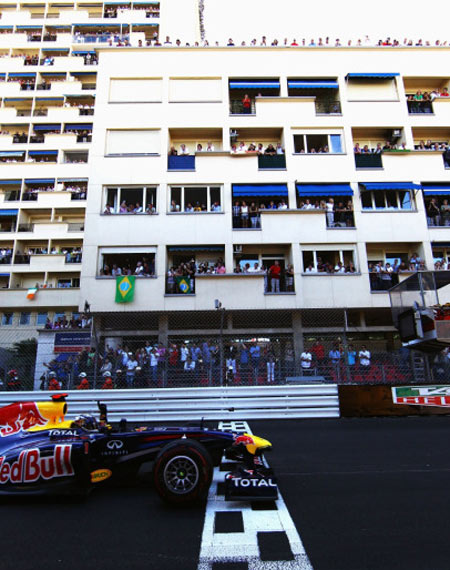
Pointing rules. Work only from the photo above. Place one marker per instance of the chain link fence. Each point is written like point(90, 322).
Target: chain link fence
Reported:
point(217, 348)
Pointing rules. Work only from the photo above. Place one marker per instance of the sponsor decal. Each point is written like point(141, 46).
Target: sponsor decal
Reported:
point(63, 433)
point(253, 482)
point(114, 447)
point(436, 396)
point(30, 466)
point(18, 417)
point(100, 475)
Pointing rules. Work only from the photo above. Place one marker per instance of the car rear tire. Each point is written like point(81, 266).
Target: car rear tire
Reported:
point(182, 472)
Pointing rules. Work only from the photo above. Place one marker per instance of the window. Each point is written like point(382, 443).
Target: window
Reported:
point(133, 142)
point(41, 318)
point(318, 143)
point(387, 200)
point(189, 89)
point(130, 200)
point(137, 90)
point(372, 87)
point(7, 319)
point(326, 260)
point(195, 199)
point(67, 283)
point(25, 318)
point(139, 261)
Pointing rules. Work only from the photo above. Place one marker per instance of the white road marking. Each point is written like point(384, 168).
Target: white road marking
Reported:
point(243, 546)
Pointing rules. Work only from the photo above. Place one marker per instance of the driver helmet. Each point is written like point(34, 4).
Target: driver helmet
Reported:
point(106, 374)
point(82, 375)
point(87, 422)
point(52, 374)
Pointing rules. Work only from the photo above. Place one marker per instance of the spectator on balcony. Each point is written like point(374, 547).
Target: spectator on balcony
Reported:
point(173, 151)
point(116, 271)
point(357, 149)
point(210, 147)
point(123, 208)
point(236, 213)
point(216, 207)
point(433, 213)
point(189, 207)
point(446, 157)
point(279, 149)
point(289, 277)
point(184, 151)
point(244, 214)
point(364, 358)
point(282, 205)
point(274, 276)
point(445, 213)
point(150, 209)
point(415, 263)
point(247, 104)
point(199, 148)
point(270, 150)
point(254, 215)
point(330, 212)
point(444, 92)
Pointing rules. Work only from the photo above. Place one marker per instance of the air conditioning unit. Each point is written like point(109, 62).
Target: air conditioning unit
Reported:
point(237, 248)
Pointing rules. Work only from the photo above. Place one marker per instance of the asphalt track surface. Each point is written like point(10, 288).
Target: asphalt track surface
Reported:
point(363, 493)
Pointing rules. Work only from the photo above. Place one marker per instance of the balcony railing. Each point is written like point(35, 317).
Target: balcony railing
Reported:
point(419, 107)
point(382, 281)
point(12, 196)
point(88, 86)
point(237, 108)
point(328, 107)
point(21, 259)
point(183, 162)
point(271, 162)
point(75, 227)
point(368, 160)
point(25, 228)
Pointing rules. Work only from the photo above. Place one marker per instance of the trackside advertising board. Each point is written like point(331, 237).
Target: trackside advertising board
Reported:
point(436, 396)
point(72, 341)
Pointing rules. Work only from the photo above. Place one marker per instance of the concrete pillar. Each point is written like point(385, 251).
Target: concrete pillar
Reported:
point(163, 329)
point(297, 328)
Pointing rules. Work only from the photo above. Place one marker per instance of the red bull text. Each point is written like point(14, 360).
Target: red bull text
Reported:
point(30, 466)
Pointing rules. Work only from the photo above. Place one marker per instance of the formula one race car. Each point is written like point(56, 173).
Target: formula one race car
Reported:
point(42, 453)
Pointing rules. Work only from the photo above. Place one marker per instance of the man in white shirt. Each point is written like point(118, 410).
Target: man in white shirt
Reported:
point(131, 366)
point(184, 150)
point(210, 147)
point(364, 358)
point(306, 362)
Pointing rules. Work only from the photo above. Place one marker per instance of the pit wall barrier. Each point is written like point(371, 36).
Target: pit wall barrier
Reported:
point(372, 401)
point(182, 404)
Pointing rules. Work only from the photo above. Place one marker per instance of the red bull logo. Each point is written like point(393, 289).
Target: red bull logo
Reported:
point(19, 416)
point(30, 466)
point(244, 439)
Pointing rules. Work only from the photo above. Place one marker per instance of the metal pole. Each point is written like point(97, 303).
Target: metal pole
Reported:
point(345, 344)
point(222, 317)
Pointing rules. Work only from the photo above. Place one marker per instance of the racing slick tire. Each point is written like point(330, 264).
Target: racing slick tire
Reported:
point(183, 472)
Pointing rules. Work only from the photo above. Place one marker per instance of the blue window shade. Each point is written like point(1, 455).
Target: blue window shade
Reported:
point(47, 127)
point(78, 127)
point(336, 144)
point(249, 84)
point(372, 75)
point(436, 189)
point(42, 152)
point(73, 179)
point(192, 248)
point(52, 74)
point(260, 190)
point(55, 49)
point(312, 84)
point(29, 27)
point(4, 274)
point(17, 99)
point(391, 186)
point(39, 180)
point(10, 182)
point(82, 53)
point(6, 27)
point(22, 75)
point(3, 75)
point(9, 212)
point(324, 190)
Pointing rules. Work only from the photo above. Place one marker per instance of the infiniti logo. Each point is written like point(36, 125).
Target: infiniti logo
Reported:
point(114, 444)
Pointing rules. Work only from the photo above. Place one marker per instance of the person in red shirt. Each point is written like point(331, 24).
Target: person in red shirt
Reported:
point(108, 383)
point(247, 104)
point(274, 274)
point(83, 385)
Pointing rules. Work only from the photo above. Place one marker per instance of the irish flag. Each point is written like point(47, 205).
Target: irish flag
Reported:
point(32, 293)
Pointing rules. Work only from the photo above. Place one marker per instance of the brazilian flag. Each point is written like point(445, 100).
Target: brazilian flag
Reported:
point(184, 284)
point(125, 289)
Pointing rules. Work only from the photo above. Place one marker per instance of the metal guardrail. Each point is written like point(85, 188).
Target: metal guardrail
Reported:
point(181, 404)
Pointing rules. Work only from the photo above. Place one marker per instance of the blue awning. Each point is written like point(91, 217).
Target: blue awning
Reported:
point(260, 190)
point(9, 212)
point(146, 25)
point(7, 182)
point(440, 243)
point(148, 2)
point(53, 74)
point(42, 152)
point(29, 27)
point(39, 180)
point(6, 27)
point(56, 49)
point(7, 153)
point(192, 248)
point(391, 186)
point(76, 73)
point(2, 75)
point(78, 127)
point(73, 179)
point(22, 74)
point(249, 84)
point(9, 99)
point(83, 53)
point(47, 127)
point(39, 99)
point(312, 84)
point(324, 190)
point(436, 189)
point(372, 75)
point(5, 274)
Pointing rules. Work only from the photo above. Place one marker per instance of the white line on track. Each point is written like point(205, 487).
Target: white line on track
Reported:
point(243, 546)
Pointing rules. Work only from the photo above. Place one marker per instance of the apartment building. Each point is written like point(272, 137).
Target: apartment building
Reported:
point(119, 156)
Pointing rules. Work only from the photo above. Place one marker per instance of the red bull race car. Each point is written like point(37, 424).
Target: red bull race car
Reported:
point(43, 453)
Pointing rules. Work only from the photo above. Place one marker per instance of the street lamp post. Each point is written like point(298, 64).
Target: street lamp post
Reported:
point(218, 306)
